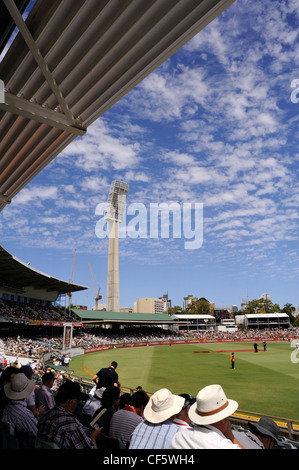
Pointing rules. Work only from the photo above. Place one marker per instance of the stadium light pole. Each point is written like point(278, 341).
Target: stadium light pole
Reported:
point(114, 212)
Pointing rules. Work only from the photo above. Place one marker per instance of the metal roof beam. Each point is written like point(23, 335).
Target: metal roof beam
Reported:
point(4, 199)
point(31, 110)
point(17, 17)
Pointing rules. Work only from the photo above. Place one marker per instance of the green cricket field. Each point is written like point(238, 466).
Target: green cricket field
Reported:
point(265, 382)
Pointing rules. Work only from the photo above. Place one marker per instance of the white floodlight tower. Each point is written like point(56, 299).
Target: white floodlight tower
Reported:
point(114, 214)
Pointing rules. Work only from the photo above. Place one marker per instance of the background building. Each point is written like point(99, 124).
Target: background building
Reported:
point(149, 305)
point(167, 302)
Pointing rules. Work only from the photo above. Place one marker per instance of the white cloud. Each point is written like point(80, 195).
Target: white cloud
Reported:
point(94, 184)
point(35, 194)
point(137, 176)
point(215, 125)
point(164, 96)
point(59, 220)
point(181, 159)
point(100, 149)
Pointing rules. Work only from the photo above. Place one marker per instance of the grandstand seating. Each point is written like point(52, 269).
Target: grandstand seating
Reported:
point(33, 311)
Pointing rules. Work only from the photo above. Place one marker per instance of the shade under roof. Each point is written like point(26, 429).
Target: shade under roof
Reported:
point(71, 61)
point(16, 273)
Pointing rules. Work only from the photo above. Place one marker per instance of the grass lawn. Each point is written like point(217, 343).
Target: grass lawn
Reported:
point(263, 382)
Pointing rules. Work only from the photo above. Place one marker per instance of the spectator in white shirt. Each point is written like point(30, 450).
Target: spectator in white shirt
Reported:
point(210, 415)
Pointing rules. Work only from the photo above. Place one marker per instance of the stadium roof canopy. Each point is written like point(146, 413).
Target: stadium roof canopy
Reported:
point(71, 61)
point(193, 317)
point(266, 315)
point(100, 316)
point(14, 273)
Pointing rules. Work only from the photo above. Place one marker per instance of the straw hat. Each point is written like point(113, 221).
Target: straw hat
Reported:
point(162, 405)
point(211, 406)
point(19, 387)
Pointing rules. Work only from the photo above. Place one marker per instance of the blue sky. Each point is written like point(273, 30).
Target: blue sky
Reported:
point(216, 125)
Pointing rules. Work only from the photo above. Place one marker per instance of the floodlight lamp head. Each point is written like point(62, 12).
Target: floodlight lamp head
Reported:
point(117, 200)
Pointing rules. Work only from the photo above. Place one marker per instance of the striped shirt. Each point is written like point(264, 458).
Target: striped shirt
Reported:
point(20, 417)
point(61, 426)
point(153, 436)
point(123, 423)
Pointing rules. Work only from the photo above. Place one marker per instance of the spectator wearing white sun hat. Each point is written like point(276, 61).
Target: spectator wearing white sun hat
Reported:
point(210, 415)
point(157, 429)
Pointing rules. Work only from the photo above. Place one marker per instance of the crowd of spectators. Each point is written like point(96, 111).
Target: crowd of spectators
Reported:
point(31, 347)
point(57, 414)
point(117, 420)
point(33, 311)
point(127, 336)
point(247, 334)
point(38, 346)
point(148, 335)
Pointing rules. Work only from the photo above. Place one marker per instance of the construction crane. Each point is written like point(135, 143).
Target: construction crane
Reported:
point(72, 276)
point(97, 295)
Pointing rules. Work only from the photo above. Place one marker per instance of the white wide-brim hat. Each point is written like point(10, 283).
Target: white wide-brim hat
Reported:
point(162, 405)
point(211, 406)
point(19, 387)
